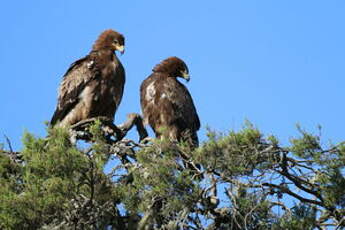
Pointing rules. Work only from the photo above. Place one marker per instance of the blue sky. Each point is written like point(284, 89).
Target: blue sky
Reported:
point(275, 63)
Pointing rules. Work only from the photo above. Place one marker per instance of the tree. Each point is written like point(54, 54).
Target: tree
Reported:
point(237, 180)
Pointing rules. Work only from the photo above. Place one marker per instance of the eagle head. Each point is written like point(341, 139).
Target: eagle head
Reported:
point(173, 66)
point(110, 39)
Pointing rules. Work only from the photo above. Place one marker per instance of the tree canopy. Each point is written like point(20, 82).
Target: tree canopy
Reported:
point(236, 180)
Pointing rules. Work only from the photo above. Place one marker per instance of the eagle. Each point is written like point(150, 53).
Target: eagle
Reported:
point(93, 85)
point(166, 104)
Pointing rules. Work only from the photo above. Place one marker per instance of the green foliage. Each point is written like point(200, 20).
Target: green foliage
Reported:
point(301, 217)
point(163, 179)
point(307, 146)
point(54, 173)
point(235, 180)
point(236, 153)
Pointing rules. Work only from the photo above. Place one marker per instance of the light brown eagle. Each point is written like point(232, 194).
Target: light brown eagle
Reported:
point(167, 105)
point(93, 85)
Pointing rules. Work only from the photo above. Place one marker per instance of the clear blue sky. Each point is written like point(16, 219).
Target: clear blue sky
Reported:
point(276, 63)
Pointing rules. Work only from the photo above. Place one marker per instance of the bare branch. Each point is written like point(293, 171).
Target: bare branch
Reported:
point(134, 119)
point(110, 128)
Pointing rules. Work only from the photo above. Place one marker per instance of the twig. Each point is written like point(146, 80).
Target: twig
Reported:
point(9, 143)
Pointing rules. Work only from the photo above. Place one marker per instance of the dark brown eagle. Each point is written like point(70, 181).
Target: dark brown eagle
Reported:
point(167, 105)
point(93, 85)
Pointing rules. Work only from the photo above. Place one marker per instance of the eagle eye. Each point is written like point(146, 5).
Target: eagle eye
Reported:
point(116, 41)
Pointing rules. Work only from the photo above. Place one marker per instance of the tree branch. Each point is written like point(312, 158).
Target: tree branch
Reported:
point(110, 128)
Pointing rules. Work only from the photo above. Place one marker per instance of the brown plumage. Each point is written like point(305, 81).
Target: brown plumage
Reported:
point(166, 103)
point(93, 85)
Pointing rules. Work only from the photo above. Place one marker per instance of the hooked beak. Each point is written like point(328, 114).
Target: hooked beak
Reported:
point(121, 49)
point(185, 75)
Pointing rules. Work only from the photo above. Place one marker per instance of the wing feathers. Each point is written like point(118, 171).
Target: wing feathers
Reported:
point(79, 74)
